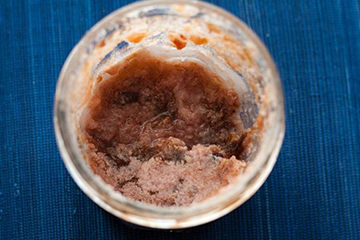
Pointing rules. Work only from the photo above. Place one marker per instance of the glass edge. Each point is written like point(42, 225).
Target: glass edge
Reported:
point(74, 171)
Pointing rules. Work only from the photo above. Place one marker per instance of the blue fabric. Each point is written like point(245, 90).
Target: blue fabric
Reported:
point(313, 191)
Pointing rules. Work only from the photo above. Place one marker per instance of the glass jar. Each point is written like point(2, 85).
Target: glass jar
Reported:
point(203, 24)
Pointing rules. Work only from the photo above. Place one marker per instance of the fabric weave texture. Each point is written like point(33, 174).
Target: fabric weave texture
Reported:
point(314, 189)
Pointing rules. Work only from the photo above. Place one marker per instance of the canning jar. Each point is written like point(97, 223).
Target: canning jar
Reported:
point(188, 27)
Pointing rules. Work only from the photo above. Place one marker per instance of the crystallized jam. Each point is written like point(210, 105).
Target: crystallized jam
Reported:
point(164, 133)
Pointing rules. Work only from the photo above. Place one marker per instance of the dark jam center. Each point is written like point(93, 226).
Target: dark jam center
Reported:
point(149, 101)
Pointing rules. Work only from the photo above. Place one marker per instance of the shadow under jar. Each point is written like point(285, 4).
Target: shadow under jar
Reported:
point(169, 114)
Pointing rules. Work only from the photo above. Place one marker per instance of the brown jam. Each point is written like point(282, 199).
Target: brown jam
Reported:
point(164, 133)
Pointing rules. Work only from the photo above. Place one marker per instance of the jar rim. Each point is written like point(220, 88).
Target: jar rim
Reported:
point(150, 215)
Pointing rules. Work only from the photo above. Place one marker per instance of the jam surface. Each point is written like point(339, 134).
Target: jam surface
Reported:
point(164, 133)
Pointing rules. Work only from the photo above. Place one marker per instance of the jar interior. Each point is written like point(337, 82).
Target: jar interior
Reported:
point(187, 30)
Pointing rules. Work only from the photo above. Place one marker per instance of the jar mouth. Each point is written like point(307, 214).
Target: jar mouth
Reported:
point(151, 215)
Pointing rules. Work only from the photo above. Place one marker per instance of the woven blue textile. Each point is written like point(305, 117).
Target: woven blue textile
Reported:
point(313, 191)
